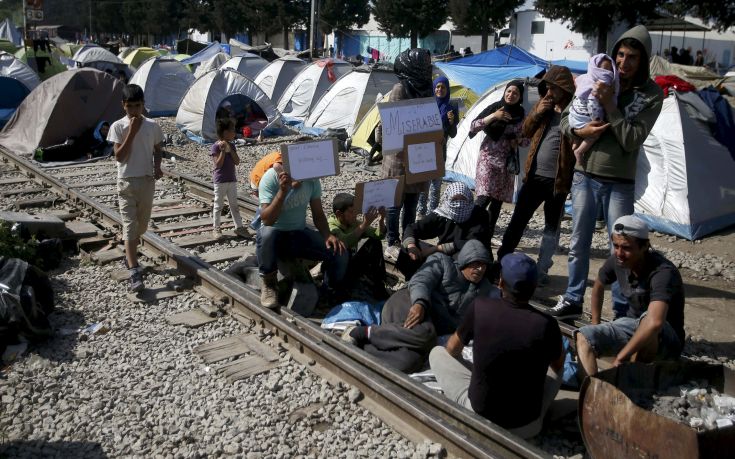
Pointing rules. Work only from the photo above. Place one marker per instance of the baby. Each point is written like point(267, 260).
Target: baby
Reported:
point(585, 107)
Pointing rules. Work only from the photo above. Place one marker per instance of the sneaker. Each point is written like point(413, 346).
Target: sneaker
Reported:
point(216, 233)
point(136, 280)
point(242, 232)
point(391, 253)
point(566, 309)
point(346, 337)
point(600, 225)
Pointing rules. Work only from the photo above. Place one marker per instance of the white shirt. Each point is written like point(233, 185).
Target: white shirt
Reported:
point(140, 159)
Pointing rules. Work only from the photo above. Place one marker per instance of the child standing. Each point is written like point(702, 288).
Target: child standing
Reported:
point(224, 176)
point(137, 146)
point(585, 106)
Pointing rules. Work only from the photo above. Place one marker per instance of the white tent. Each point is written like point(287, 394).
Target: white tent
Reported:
point(309, 86)
point(196, 115)
point(17, 80)
point(101, 59)
point(212, 63)
point(204, 55)
point(275, 78)
point(9, 32)
point(350, 98)
point(12, 67)
point(164, 81)
point(685, 182)
point(248, 64)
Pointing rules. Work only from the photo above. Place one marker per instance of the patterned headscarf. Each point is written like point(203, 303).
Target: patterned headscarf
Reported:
point(457, 210)
point(413, 68)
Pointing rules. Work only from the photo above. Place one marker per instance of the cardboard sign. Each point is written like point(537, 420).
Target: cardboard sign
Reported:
point(423, 156)
point(308, 160)
point(407, 117)
point(379, 193)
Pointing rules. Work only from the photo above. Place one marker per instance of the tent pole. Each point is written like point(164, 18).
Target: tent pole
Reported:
point(311, 28)
point(661, 44)
point(704, 34)
point(25, 32)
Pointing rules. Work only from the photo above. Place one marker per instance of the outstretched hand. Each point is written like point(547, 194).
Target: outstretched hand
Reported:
point(415, 316)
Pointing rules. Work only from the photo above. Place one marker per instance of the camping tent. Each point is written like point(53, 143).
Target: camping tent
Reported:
point(685, 182)
point(248, 64)
point(700, 77)
point(69, 49)
point(462, 152)
point(212, 63)
point(204, 55)
point(100, 59)
point(309, 86)
point(350, 98)
point(7, 46)
point(196, 115)
point(9, 32)
point(17, 80)
point(38, 60)
point(484, 70)
point(139, 55)
point(164, 81)
point(63, 106)
point(275, 78)
point(464, 99)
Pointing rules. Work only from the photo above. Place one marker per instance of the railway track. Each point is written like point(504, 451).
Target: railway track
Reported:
point(409, 407)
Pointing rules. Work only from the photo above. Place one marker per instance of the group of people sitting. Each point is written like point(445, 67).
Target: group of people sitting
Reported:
point(584, 140)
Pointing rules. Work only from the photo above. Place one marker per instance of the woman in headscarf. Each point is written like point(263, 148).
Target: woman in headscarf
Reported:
point(502, 123)
point(413, 68)
point(456, 221)
point(449, 115)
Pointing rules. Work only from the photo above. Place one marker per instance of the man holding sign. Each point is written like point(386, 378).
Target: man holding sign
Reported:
point(284, 233)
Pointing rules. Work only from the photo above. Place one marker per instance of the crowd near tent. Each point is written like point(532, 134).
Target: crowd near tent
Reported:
point(63, 106)
point(350, 98)
point(275, 78)
point(309, 86)
point(9, 32)
point(139, 55)
point(685, 182)
point(164, 81)
point(17, 80)
point(212, 63)
point(43, 63)
point(198, 110)
point(100, 59)
point(248, 64)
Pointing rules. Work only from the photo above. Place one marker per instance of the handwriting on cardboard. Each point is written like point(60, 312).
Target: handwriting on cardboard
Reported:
point(312, 159)
point(399, 119)
point(421, 157)
point(380, 193)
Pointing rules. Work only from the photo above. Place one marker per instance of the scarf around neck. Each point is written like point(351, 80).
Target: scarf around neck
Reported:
point(459, 210)
point(496, 129)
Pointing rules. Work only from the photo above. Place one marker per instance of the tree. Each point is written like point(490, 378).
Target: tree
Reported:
point(480, 17)
point(717, 13)
point(597, 18)
point(342, 15)
point(409, 18)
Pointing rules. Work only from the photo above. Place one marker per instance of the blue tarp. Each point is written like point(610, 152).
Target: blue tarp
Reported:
point(207, 53)
point(578, 67)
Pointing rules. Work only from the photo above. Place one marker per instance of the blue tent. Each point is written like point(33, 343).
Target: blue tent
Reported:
point(204, 55)
point(13, 92)
point(484, 70)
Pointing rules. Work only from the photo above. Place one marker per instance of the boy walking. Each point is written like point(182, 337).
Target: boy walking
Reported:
point(224, 176)
point(137, 146)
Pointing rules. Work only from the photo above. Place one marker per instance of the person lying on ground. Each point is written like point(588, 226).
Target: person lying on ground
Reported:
point(366, 266)
point(517, 354)
point(456, 221)
point(654, 325)
point(92, 143)
point(434, 302)
point(283, 233)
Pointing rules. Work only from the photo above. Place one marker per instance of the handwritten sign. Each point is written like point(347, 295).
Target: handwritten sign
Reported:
point(421, 157)
point(407, 117)
point(379, 193)
point(308, 160)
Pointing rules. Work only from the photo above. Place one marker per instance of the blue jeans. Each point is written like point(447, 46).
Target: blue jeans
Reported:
point(410, 200)
point(435, 188)
point(272, 244)
point(587, 193)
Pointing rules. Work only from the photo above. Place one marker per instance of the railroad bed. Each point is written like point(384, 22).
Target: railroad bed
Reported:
point(181, 252)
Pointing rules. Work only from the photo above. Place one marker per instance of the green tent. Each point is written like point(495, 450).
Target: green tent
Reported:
point(7, 46)
point(51, 68)
point(135, 58)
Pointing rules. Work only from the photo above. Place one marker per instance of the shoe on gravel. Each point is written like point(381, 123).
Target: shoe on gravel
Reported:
point(268, 291)
point(136, 280)
point(242, 232)
point(216, 233)
point(566, 309)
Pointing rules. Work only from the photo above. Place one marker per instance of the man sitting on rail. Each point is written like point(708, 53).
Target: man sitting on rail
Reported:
point(654, 325)
point(283, 232)
point(517, 350)
point(434, 302)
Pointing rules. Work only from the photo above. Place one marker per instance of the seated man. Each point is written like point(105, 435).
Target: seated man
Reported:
point(513, 347)
point(436, 299)
point(366, 268)
point(283, 232)
point(654, 325)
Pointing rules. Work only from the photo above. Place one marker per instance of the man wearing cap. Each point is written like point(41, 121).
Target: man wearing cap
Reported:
point(608, 175)
point(513, 345)
point(654, 325)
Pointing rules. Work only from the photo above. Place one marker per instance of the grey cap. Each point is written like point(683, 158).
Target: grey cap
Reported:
point(629, 225)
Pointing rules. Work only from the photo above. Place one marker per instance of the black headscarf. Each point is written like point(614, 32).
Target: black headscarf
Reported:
point(495, 129)
point(413, 68)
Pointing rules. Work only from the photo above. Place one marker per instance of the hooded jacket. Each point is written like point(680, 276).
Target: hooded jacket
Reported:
point(536, 124)
point(615, 154)
point(441, 288)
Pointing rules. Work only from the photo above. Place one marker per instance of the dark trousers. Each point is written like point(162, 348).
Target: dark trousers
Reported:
point(405, 349)
point(366, 272)
point(493, 207)
point(535, 191)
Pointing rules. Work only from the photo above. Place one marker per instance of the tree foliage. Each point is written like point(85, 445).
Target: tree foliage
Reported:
point(409, 18)
point(719, 14)
point(340, 15)
point(481, 17)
